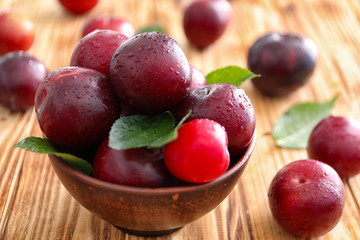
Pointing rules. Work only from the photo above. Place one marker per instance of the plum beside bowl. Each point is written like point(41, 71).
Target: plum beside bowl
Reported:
point(149, 211)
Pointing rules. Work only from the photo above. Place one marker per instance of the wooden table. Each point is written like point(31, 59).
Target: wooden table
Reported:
point(35, 205)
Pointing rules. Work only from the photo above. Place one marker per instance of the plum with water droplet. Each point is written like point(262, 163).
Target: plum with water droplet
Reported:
point(285, 62)
point(76, 107)
point(150, 72)
point(140, 167)
point(226, 104)
point(96, 49)
point(306, 198)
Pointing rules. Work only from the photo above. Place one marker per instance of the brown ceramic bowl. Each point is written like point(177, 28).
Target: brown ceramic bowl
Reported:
point(146, 211)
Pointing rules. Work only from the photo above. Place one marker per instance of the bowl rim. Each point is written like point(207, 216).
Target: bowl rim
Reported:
point(92, 181)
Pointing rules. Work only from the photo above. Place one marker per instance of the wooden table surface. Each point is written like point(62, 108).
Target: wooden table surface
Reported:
point(35, 205)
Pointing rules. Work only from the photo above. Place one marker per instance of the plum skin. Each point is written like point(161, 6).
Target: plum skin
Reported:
point(76, 107)
point(96, 49)
point(150, 72)
point(306, 198)
point(138, 167)
point(20, 76)
point(204, 22)
point(336, 141)
point(285, 62)
point(223, 103)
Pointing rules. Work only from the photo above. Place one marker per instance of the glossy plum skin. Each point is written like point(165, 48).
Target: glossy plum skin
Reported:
point(199, 154)
point(76, 107)
point(285, 62)
point(150, 72)
point(306, 198)
point(20, 76)
point(197, 78)
point(96, 49)
point(78, 6)
point(139, 167)
point(16, 32)
point(108, 22)
point(205, 21)
point(225, 104)
point(336, 141)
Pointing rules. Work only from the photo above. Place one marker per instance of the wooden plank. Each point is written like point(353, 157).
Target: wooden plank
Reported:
point(34, 204)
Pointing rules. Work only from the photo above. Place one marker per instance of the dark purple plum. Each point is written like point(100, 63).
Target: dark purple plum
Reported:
point(205, 21)
point(20, 76)
point(76, 107)
point(336, 141)
point(284, 61)
point(150, 72)
point(139, 167)
point(96, 49)
point(225, 104)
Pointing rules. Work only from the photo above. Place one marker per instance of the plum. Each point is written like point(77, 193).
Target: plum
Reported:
point(336, 141)
point(76, 107)
point(17, 32)
point(150, 72)
point(306, 198)
point(20, 76)
point(199, 154)
point(96, 49)
point(108, 22)
point(139, 167)
point(205, 21)
point(78, 6)
point(285, 62)
point(226, 104)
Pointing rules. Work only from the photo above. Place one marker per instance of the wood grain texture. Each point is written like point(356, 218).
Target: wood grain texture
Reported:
point(34, 204)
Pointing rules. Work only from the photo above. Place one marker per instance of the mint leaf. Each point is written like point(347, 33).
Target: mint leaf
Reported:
point(40, 145)
point(172, 135)
point(140, 130)
point(152, 28)
point(292, 130)
point(231, 74)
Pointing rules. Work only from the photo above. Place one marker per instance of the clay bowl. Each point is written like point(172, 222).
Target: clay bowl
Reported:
point(144, 211)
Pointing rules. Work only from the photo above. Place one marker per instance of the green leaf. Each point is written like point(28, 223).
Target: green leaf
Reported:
point(231, 74)
point(292, 130)
point(170, 136)
point(140, 130)
point(152, 28)
point(40, 145)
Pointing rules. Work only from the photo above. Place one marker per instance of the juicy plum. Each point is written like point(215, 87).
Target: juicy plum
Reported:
point(307, 198)
point(225, 104)
point(96, 49)
point(284, 61)
point(204, 22)
point(16, 32)
point(139, 167)
point(150, 72)
point(336, 141)
point(76, 107)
